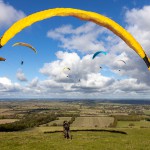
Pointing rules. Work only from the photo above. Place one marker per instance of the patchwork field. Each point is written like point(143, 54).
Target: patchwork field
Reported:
point(92, 122)
point(3, 121)
point(147, 112)
point(133, 124)
point(79, 123)
point(4, 112)
point(58, 122)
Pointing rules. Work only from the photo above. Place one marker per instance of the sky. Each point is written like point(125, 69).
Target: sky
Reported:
point(68, 42)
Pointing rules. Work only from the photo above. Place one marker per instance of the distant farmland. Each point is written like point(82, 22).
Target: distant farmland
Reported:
point(60, 121)
point(92, 122)
point(3, 121)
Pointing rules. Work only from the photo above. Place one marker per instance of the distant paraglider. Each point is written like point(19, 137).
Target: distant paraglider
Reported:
point(66, 71)
point(103, 52)
point(25, 44)
point(2, 59)
point(22, 62)
point(66, 68)
point(122, 61)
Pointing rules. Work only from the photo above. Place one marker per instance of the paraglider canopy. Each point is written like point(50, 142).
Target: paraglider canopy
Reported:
point(25, 44)
point(66, 68)
point(81, 14)
point(2, 59)
point(103, 52)
point(122, 61)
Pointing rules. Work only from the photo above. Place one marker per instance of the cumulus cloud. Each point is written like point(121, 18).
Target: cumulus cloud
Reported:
point(85, 76)
point(83, 38)
point(6, 85)
point(8, 14)
point(21, 76)
point(34, 82)
point(79, 68)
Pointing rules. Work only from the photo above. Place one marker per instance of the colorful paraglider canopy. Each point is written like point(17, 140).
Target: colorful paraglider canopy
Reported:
point(25, 44)
point(83, 15)
point(2, 59)
point(103, 52)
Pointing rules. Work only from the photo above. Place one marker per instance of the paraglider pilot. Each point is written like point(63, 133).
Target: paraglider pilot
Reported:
point(66, 129)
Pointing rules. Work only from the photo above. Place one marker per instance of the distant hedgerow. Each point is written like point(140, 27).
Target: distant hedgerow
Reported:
point(29, 121)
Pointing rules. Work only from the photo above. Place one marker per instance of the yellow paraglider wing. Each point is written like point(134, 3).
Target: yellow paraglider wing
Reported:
point(25, 44)
point(81, 14)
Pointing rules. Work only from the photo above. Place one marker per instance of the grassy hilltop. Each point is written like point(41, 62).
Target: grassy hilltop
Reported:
point(136, 139)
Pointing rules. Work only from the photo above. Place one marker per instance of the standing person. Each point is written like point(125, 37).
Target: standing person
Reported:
point(66, 129)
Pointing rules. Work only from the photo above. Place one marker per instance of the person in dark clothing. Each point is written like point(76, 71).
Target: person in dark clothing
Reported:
point(66, 129)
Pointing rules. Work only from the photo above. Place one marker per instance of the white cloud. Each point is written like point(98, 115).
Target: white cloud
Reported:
point(139, 17)
point(8, 14)
point(4, 80)
point(83, 38)
point(84, 76)
point(21, 76)
point(79, 68)
point(34, 82)
point(6, 85)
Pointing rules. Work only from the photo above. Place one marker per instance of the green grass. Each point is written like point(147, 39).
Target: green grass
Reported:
point(137, 124)
point(45, 129)
point(137, 139)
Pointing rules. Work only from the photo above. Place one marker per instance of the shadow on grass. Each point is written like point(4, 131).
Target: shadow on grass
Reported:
point(91, 130)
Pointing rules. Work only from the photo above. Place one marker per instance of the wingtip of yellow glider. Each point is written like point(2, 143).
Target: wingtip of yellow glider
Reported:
point(1, 46)
point(147, 61)
point(0, 42)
